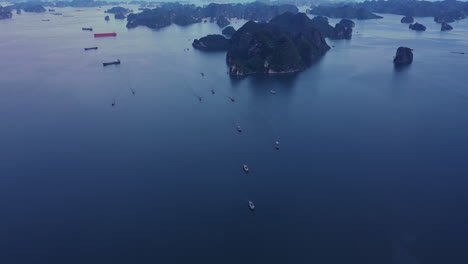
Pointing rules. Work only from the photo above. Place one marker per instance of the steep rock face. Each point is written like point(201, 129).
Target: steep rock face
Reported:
point(222, 22)
point(404, 56)
point(155, 18)
point(5, 13)
point(407, 20)
point(211, 43)
point(445, 27)
point(229, 31)
point(289, 43)
point(342, 30)
point(344, 12)
point(119, 16)
point(347, 23)
point(418, 27)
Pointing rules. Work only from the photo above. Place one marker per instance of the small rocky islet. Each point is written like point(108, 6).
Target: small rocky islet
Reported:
point(407, 20)
point(417, 27)
point(445, 27)
point(404, 56)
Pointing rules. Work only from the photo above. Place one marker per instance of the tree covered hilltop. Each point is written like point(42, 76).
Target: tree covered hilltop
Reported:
point(346, 11)
point(442, 11)
point(179, 14)
point(288, 43)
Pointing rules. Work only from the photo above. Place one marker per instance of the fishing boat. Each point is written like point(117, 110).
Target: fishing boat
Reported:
point(277, 145)
point(202, 74)
point(97, 35)
point(245, 168)
point(212, 91)
point(251, 206)
point(92, 48)
point(111, 63)
point(232, 99)
point(113, 103)
point(88, 29)
point(273, 91)
point(455, 52)
point(199, 98)
point(239, 129)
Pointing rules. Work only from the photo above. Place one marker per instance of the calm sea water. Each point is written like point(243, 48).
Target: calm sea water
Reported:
point(372, 168)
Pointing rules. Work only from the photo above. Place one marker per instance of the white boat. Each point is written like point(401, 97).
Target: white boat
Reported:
point(251, 206)
point(273, 91)
point(246, 168)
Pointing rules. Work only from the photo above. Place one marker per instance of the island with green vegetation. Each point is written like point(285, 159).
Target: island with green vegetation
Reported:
point(28, 7)
point(346, 11)
point(228, 31)
point(442, 11)
point(180, 14)
point(118, 10)
point(288, 43)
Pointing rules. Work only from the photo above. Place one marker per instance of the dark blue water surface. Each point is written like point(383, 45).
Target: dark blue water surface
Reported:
point(373, 166)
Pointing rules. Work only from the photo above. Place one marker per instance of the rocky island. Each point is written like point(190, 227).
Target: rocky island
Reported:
point(445, 18)
point(29, 7)
point(288, 43)
point(118, 10)
point(228, 31)
point(445, 27)
point(179, 14)
point(342, 30)
point(5, 13)
point(407, 20)
point(346, 11)
point(80, 3)
point(404, 56)
point(211, 43)
point(418, 27)
point(119, 16)
point(443, 11)
point(222, 22)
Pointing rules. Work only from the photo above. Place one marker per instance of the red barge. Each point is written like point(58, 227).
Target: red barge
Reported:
point(105, 35)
